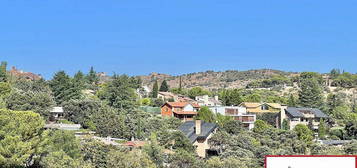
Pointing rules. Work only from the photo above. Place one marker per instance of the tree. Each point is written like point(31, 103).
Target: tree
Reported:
point(304, 133)
point(206, 115)
point(5, 89)
point(197, 91)
point(184, 159)
point(292, 101)
point(351, 130)
point(79, 80)
point(96, 152)
point(164, 86)
point(310, 94)
point(155, 89)
point(63, 88)
point(285, 125)
point(3, 73)
point(322, 129)
point(39, 102)
point(83, 111)
point(120, 92)
point(130, 159)
point(20, 133)
point(154, 151)
point(260, 126)
point(92, 77)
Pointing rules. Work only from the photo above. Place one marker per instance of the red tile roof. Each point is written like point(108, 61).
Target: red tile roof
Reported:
point(186, 112)
point(182, 104)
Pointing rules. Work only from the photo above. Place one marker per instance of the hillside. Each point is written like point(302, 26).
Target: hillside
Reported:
point(213, 80)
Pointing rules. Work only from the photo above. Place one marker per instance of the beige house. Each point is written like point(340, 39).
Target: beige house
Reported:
point(302, 115)
point(205, 100)
point(199, 132)
point(261, 107)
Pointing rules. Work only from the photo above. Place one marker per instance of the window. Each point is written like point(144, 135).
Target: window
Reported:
point(264, 107)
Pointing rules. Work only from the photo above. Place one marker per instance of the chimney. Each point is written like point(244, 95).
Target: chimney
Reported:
point(216, 98)
point(198, 127)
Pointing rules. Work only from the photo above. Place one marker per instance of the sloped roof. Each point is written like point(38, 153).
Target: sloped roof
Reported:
point(252, 104)
point(188, 129)
point(182, 104)
point(186, 112)
point(297, 112)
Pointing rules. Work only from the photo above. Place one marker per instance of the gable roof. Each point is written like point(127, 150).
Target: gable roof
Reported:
point(297, 112)
point(181, 104)
point(188, 129)
point(252, 104)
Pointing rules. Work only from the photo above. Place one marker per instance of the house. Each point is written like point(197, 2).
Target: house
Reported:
point(199, 132)
point(238, 113)
point(166, 96)
point(261, 107)
point(184, 111)
point(56, 113)
point(302, 115)
point(205, 100)
point(24, 75)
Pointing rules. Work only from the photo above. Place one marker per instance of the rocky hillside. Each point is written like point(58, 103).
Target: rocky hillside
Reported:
point(213, 80)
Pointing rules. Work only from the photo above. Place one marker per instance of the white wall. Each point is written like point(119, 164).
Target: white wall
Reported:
point(188, 107)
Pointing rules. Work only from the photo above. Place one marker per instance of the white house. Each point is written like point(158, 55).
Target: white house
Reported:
point(205, 100)
point(238, 113)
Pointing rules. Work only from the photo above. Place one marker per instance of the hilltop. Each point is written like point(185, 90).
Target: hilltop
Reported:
point(212, 80)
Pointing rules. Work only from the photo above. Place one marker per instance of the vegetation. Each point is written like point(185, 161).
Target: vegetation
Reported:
point(111, 108)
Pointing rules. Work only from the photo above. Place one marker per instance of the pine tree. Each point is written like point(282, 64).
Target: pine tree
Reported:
point(92, 77)
point(63, 88)
point(292, 101)
point(164, 87)
point(155, 90)
point(3, 75)
point(79, 80)
point(322, 129)
point(285, 125)
point(180, 84)
point(310, 94)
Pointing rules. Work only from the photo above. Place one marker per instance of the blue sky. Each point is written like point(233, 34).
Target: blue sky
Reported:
point(178, 36)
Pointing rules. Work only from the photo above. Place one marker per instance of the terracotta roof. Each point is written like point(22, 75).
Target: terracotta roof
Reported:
point(186, 112)
point(250, 104)
point(182, 104)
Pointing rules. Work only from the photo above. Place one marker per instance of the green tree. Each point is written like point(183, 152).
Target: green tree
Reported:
point(292, 101)
point(154, 151)
point(95, 152)
point(92, 77)
point(3, 73)
point(285, 125)
point(63, 88)
point(155, 90)
point(120, 92)
point(39, 102)
point(260, 126)
point(310, 94)
point(322, 129)
point(20, 133)
point(206, 115)
point(79, 80)
point(131, 159)
point(164, 86)
point(197, 91)
point(304, 133)
point(5, 89)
